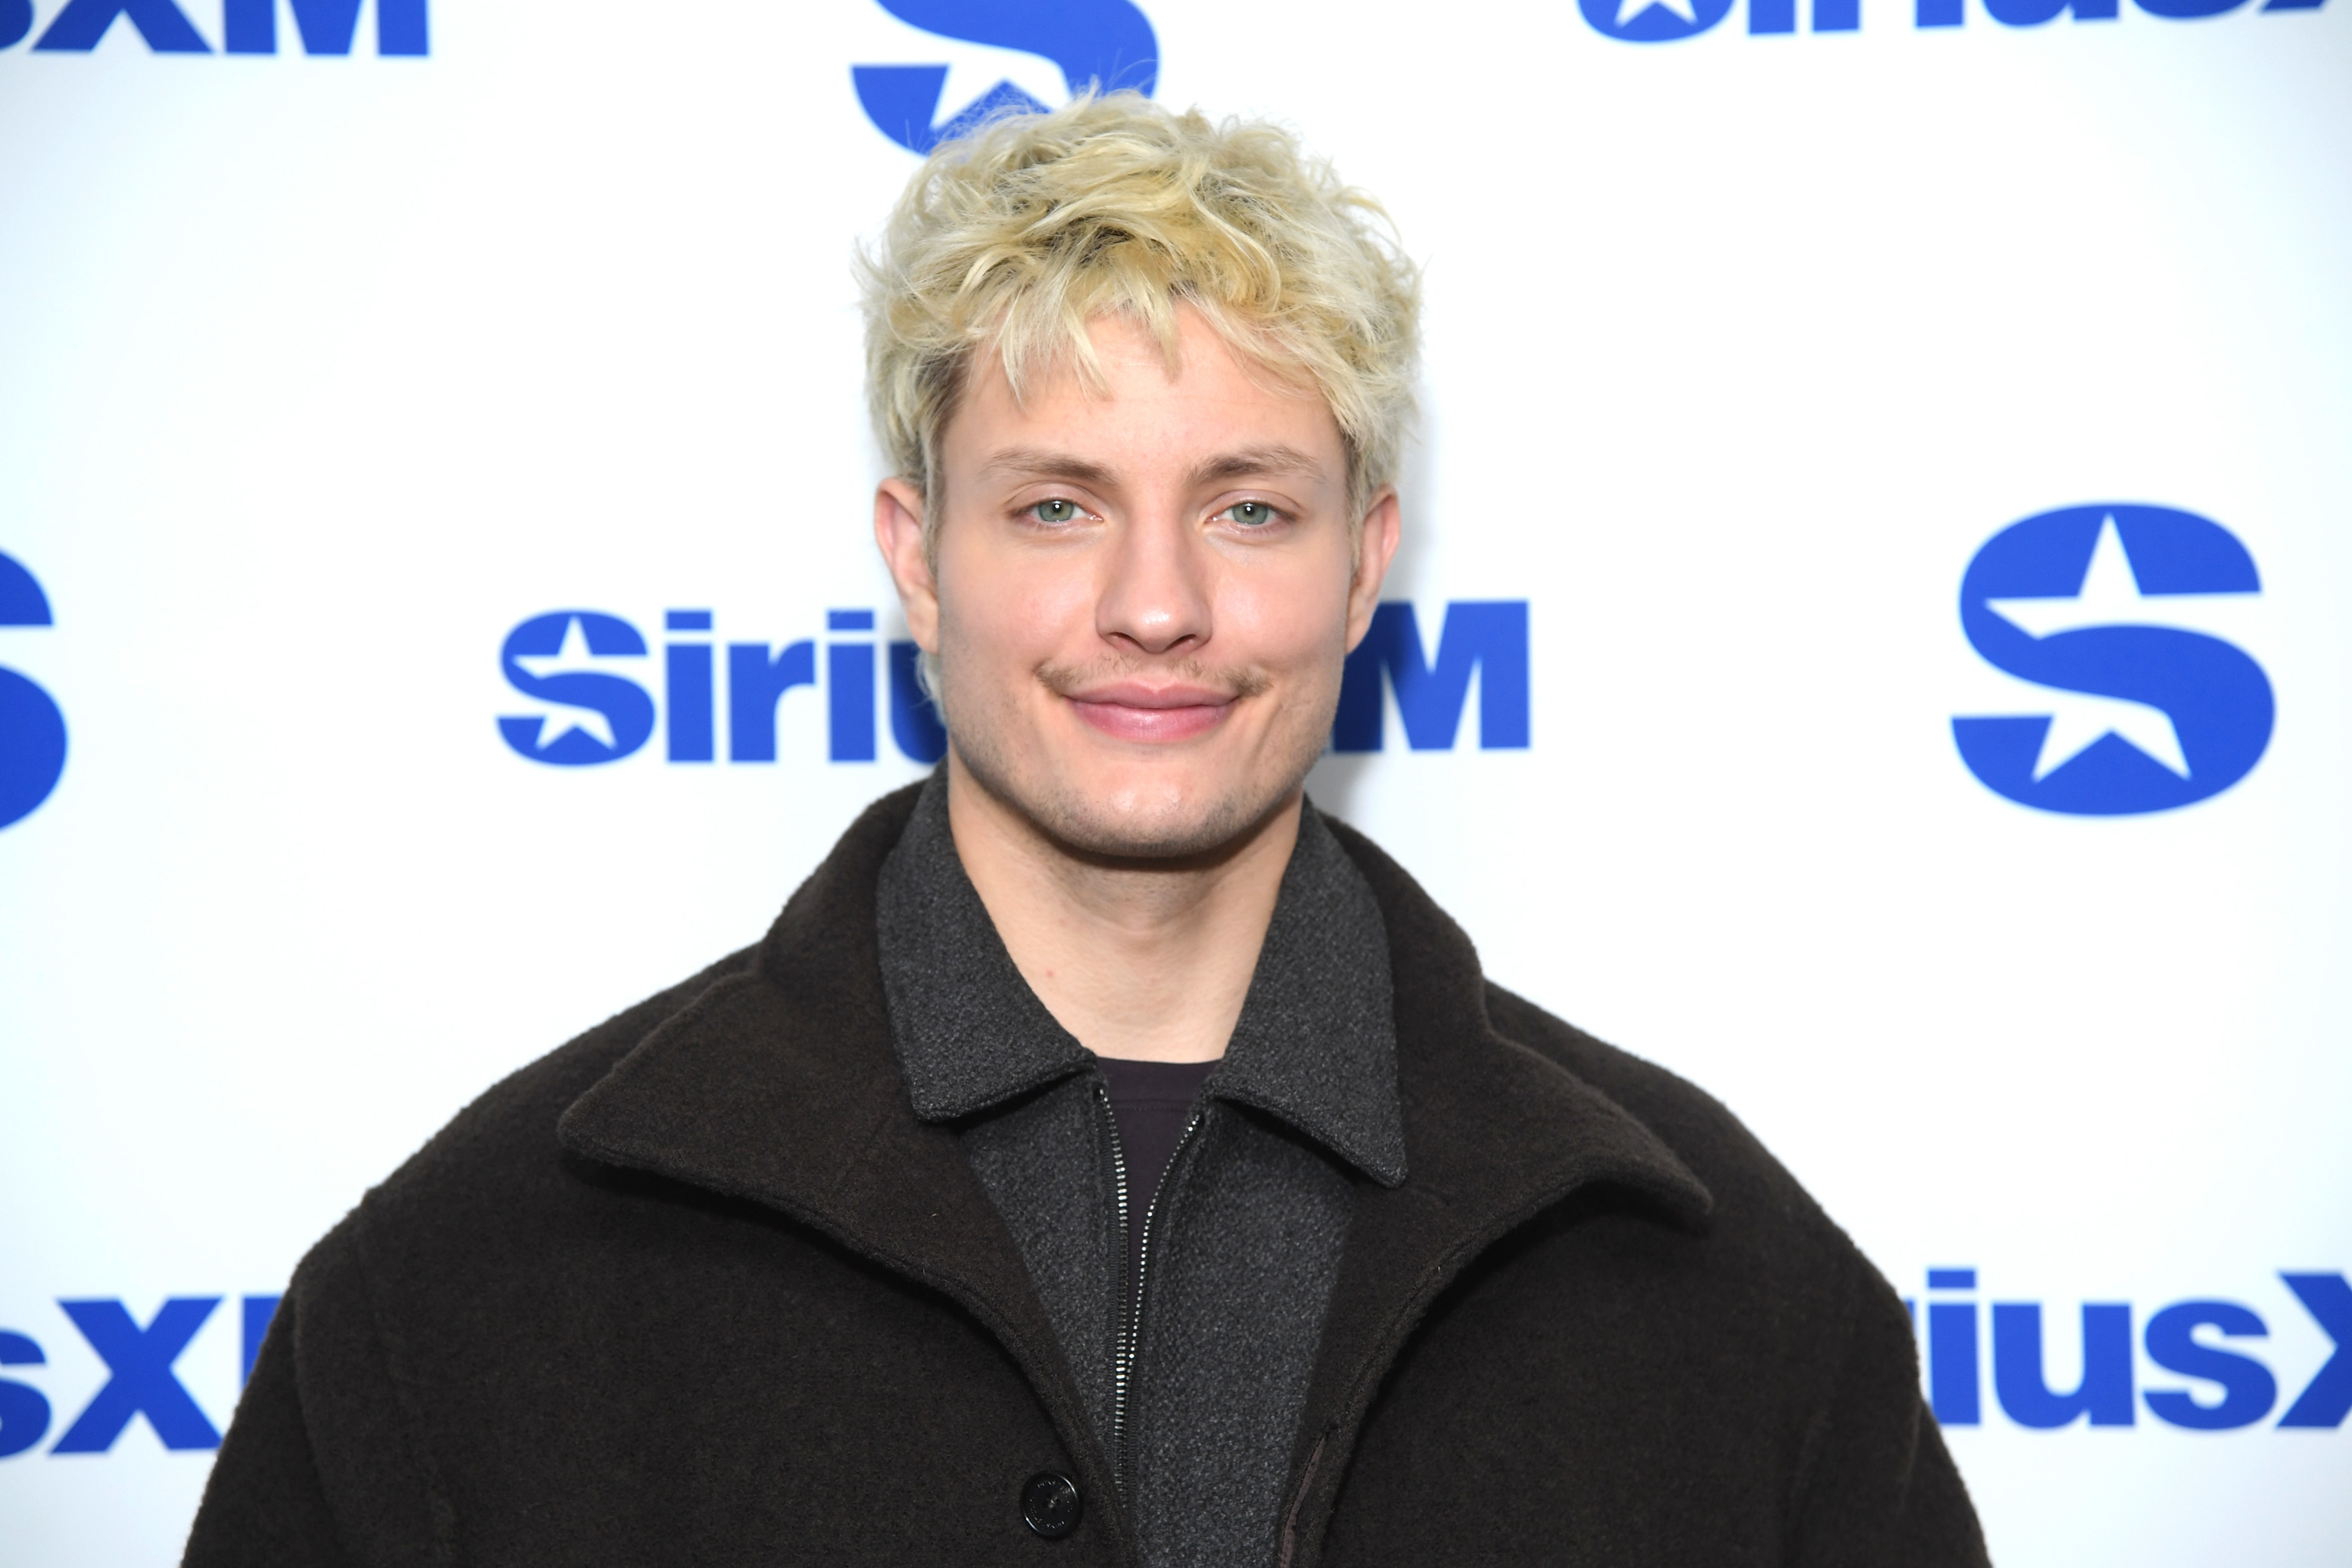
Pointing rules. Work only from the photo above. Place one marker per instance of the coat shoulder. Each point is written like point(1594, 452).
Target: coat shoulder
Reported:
point(1755, 1199)
point(1829, 1330)
point(504, 1144)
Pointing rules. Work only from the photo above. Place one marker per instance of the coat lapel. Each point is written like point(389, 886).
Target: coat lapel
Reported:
point(780, 1086)
point(1494, 1134)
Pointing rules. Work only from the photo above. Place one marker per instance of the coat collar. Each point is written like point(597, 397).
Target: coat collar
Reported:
point(1314, 1044)
point(1496, 1134)
point(781, 1086)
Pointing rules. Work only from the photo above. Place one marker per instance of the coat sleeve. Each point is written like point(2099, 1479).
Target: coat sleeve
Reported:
point(1878, 1487)
point(319, 1469)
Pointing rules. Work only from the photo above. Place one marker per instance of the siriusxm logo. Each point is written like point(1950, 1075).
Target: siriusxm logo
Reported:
point(32, 730)
point(141, 1379)
point(584, 668)
point(247, 26)
point(1668, 21)
point(572, 659)
point(2105, 602)
point(2201, 1341)
point(1103, 44)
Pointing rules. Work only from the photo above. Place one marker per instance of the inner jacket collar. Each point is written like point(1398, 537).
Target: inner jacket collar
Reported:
point(1314, 1044)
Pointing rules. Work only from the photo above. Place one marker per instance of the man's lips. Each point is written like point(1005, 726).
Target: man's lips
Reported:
point(1131, 711)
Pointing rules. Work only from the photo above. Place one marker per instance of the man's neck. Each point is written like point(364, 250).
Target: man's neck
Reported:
point(1146, 961)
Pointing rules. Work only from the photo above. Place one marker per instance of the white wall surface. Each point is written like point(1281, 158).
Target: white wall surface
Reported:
point(318, 375)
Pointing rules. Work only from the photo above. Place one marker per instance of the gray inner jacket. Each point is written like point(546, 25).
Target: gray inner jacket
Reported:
point(1244, 1243)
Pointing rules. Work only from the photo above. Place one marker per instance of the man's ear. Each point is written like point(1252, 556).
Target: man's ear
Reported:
point(898, 532)
point(1376, 546)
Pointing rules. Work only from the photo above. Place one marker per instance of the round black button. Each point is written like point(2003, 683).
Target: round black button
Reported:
point(1049, 1504)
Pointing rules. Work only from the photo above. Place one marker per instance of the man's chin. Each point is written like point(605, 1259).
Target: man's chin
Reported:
point(1189, 831)
point(1164, 815)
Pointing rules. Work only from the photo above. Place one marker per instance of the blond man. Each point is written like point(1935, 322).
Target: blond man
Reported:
point(1106, 1157)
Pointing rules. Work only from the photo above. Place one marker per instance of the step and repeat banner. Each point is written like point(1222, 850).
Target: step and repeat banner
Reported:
point(1873, 633)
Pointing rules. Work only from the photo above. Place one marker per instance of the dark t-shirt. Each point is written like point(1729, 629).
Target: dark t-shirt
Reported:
point(1151, 1100)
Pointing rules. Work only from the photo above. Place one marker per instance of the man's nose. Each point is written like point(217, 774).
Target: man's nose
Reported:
point(1154, 595)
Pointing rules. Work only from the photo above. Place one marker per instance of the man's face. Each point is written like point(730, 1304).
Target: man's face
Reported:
point(1143, 595)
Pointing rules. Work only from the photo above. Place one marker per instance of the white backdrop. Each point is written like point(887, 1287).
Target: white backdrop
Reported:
point(320, 375)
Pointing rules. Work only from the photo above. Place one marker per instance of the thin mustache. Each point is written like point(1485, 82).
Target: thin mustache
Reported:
point(1069, 680)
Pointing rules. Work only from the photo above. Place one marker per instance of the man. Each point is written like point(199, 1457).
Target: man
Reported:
point(1105, 1157)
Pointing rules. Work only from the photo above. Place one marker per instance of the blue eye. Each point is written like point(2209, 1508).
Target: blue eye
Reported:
point(1056, 512)
point(1251, 514)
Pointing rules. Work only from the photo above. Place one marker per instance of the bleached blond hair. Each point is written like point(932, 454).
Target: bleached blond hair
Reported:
point(1014, 239)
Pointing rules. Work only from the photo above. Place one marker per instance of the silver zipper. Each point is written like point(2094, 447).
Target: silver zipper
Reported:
point(1130, 1333)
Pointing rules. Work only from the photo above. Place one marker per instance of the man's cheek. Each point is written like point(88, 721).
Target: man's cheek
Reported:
point(1297, 632)
point(1046, 618)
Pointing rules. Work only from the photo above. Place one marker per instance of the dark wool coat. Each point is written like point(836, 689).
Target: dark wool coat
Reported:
point(699, 1287)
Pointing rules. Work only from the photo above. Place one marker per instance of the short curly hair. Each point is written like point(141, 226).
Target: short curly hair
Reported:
point(1014, 239)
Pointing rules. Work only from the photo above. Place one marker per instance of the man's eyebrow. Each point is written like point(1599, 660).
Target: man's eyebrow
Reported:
point(1036, 463)
point(1272, 462)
